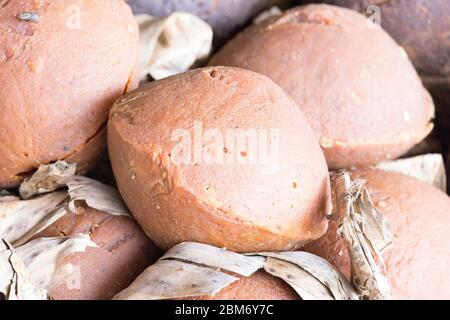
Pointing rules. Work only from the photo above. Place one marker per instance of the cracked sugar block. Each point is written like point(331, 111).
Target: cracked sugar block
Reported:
point(354, 83)
point(220, 156)
point(225, 16)
point(120, 251)
point(62, 65)
point(417, 261)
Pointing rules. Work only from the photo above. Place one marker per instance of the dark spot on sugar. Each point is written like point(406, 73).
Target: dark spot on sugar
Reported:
point(213, 73)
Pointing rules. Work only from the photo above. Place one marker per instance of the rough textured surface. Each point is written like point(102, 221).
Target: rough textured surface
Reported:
point(363, 99)
point(243, 207)
point(417, 264)
point(59, 76)
point(225, 16)
point(123, 252)
point(259, 286)
point(420, 26)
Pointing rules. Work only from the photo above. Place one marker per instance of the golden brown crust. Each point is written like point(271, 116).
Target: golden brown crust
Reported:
point(123, 252)
point(59, 77)
point(417, 264)
point(243, 207)
point(347, 87)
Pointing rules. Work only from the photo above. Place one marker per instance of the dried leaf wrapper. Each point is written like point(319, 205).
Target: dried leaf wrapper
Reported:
point(47, 178)
point(269, 13)
point(207, 255)
point(172, 44)
point(43, 258)
point(318, 280)
point(172, 279)
point(15, 282)
point(367, 234)
point(429, 168)
point(31, 268)
point(193, 269)
point(96, 195)
point(20, 220)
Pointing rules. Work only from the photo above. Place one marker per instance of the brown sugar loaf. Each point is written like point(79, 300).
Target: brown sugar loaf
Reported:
point(225, 16)
point(62, 65)
point(417, 264)
point(259, 286)
point(123, 252)
point(244, 203)
point(355, 85)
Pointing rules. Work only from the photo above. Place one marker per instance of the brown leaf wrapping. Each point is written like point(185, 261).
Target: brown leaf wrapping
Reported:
point(47, 178)
point(193, 269)
point(30, 268)
point(96, 195)
point(42, 258)
point(317, 279)
point(269, 13)
point(172, 44)
point(429, 168)
point(367, 234)
point(15, 282)
point(22, 219)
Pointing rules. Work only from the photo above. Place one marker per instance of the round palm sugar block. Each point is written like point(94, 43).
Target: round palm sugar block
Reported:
point(123, 251)
point(417, 262)
point(355, 85)
point(220, 156)
point(62, 65)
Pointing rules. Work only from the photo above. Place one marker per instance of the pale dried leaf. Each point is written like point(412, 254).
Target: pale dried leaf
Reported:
point(20, 220)
point(319, 269)
point(96, 195)
point(307, 286)
point(172, 44)
point(269, 13)
point(374, 225)
point(366, 275)
point(342, 194)
point(193, 269)
point(215, 257)
point(366, 233)
point(47, 178)
point(43, 258)
point(15, 283)
point(429, 168)
point(172, 279)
